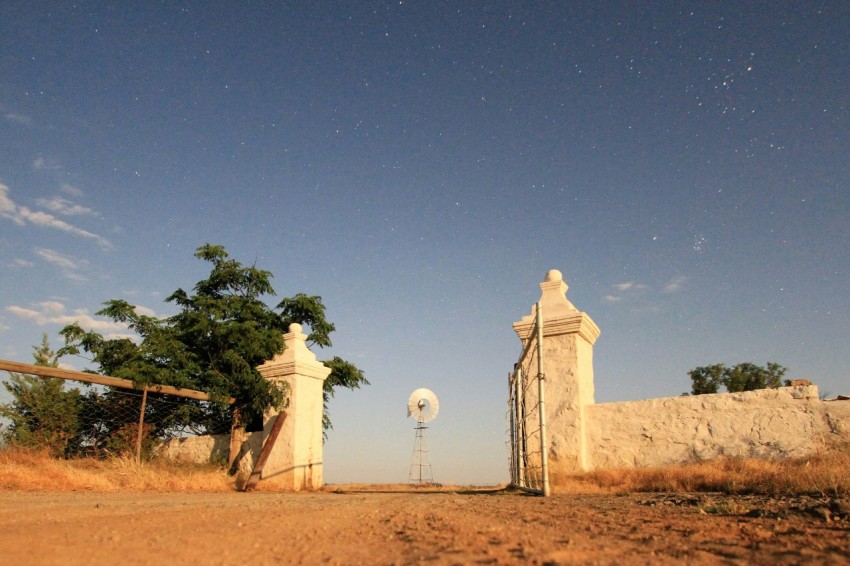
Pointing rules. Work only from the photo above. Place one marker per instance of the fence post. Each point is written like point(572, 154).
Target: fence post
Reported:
point(522, 448)
point(141, 426)
point(237, 437)
point(512, 412)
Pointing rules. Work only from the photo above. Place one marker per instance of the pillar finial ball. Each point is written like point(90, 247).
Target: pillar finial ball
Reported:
point(294, 328)
point(553, 275)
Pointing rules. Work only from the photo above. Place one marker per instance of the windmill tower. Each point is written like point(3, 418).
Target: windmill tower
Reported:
point(422, 406)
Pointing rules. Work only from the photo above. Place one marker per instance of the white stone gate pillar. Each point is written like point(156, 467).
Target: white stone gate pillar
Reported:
point(568, 339)
point(296, 463)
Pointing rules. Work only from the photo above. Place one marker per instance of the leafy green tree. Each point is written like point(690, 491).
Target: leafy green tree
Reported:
point(749, 377)
point(707, 379)
point(742, 377)
point(222, 332)
point(43, 414)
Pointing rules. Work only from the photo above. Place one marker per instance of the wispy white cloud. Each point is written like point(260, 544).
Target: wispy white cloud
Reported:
point(69, 265)
point(630, 285)
point(145, 311)
point(8, 208)
point(21, 215)
point(17, 118)
point(675, 284)
point(64, 207)
point(622, 289)
point(42, 164)
point(47, 220)
point(71, 190)
point(635, 292)
point(57, 259)
point(54, 312)
point(18, 263)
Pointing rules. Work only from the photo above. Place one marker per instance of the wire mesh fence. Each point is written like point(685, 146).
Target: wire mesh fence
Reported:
point(121, 421)
point(85, 420)
point(526, 419)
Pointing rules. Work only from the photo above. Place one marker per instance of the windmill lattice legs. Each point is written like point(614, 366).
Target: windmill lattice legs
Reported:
point(420, 463)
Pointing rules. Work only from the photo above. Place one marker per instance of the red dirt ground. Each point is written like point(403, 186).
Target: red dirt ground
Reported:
point(374, 525)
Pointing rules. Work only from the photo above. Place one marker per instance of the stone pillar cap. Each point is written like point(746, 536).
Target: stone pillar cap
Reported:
point(553, 275)
point(296, 358)
point(553, 295)
point(559, 314)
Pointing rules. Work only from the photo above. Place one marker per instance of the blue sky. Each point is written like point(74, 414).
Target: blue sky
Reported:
point(421, 166)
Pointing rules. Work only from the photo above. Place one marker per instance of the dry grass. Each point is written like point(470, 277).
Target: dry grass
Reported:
point(27, 470)
point(827, 473)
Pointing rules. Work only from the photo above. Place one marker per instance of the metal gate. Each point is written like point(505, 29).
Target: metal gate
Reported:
point(527, 415)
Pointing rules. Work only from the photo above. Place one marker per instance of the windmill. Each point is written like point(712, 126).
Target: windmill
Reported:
point(422, 406)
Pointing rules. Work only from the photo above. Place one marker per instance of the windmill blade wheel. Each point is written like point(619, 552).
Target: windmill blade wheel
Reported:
point(423, 405)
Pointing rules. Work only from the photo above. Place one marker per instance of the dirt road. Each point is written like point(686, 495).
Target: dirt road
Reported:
point(353, 526)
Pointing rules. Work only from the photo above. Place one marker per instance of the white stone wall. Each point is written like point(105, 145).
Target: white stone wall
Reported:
point(770, 423)
point(206, 449)
point(210, 449)
point(836, 417)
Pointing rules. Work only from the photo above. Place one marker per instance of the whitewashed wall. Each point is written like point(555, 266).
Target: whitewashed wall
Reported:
point(770, 423)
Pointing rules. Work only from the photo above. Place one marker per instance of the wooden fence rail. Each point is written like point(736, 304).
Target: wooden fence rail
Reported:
point(73, 375)
point(43, 371)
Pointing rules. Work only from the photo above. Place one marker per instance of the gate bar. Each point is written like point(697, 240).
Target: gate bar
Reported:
point(544, 449)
